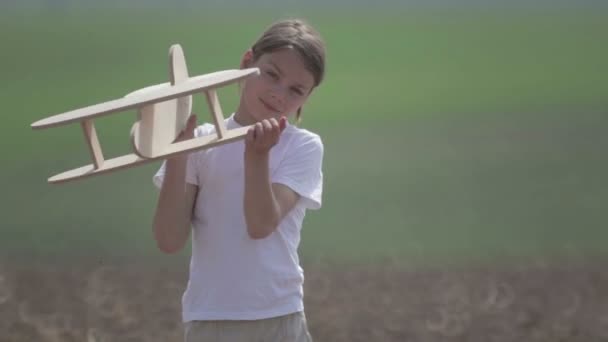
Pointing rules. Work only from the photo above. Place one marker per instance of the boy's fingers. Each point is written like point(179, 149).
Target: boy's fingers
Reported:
point(276, 128)
point(274, 122)
point(267, 126)
point(259, 130)
point(250, 134)
point(191, 122)
point(188, 131)
point(282, 123)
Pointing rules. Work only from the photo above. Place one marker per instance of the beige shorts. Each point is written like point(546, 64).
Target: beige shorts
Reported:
point(288, 328)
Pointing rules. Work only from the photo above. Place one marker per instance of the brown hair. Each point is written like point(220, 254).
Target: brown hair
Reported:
point(298, 35)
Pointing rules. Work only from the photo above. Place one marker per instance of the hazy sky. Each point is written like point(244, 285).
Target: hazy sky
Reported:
point(307, 3)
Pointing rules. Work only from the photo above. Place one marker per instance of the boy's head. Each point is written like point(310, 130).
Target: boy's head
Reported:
point(297, 35)
point(291, 58)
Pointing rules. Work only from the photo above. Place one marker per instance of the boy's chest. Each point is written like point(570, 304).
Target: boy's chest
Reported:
point(224, 166)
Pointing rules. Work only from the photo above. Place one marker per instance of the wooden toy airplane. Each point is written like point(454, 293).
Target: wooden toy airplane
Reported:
point(163, 111)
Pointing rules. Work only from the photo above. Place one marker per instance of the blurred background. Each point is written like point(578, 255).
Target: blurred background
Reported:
point(465, 167)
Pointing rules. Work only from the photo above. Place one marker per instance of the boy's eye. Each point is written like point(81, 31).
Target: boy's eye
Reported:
point(297, 91)
point(272, 74)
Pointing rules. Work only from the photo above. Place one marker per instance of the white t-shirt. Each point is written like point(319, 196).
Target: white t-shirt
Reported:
point(232, 276)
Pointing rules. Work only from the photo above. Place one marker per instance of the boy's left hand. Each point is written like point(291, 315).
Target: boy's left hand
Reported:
point(264, 135)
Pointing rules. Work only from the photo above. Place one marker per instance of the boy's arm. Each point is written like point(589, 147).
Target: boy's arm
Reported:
point(174, 208)
point(265, 204)
point(176, 200)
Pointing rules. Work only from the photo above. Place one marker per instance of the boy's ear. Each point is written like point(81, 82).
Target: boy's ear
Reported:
point(247, 59)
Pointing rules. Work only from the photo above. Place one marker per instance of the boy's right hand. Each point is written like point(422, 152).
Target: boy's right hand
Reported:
point(188, 132)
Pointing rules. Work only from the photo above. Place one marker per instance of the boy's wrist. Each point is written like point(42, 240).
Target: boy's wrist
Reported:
point(177, 161)
point(253, 156)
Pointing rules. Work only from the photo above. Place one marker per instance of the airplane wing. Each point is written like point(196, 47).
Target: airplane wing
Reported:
point(191, 86)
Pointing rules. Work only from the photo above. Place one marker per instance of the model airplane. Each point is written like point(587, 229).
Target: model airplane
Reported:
point(163, 111)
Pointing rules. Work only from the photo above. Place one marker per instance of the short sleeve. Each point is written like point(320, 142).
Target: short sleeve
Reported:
point(194, 159)
point(191, 174)
point(301, 171)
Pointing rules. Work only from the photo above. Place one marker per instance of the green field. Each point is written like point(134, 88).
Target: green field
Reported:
point(449, 135)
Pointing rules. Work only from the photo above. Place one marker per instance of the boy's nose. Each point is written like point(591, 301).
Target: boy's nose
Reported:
point(278, 93)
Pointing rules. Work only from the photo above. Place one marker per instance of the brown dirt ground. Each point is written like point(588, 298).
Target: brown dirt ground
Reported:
point(118, 301)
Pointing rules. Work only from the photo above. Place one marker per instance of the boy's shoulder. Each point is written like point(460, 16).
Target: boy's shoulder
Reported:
point(301, 141)
point(302, 135)
point(204, 129)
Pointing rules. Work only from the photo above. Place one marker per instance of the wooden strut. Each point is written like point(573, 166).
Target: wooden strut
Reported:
point(216, 113)
point(90, 135)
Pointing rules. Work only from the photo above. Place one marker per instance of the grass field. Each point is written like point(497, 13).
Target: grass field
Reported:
point(139, 301)
point(447, 134)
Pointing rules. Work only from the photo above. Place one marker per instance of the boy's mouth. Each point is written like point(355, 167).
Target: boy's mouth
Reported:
point(269, 107)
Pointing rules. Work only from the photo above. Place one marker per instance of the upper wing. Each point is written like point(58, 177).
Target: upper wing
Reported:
point(191, 86)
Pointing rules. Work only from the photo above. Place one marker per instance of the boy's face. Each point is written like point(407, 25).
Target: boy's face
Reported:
point(282, 87)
